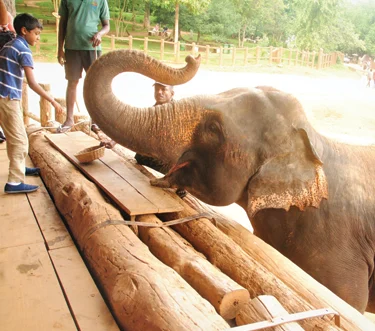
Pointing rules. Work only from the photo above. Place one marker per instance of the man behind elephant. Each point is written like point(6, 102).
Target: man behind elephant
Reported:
point(163, 94)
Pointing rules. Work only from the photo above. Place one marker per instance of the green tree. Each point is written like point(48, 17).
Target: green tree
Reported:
point(194, 6)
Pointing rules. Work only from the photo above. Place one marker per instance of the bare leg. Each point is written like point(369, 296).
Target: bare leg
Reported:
point(71, 96)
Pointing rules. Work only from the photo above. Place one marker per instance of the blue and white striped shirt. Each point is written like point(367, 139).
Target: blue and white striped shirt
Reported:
point(15, 55)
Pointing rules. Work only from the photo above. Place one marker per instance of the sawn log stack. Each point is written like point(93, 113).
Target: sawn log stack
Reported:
point(198, 275)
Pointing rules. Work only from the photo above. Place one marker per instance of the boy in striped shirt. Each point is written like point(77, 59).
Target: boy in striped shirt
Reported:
point(15, 60)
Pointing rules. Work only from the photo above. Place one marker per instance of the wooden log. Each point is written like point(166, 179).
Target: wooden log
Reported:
point(222, 292)
point(143, 293)
point(229, 257)
point(45, 107)
point(294, 277)
point(265, 308)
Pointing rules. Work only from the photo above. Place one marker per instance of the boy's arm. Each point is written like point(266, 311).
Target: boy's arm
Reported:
point(39, 90)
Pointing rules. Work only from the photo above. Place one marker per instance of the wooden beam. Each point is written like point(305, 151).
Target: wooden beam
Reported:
point(124, 184)
point(222, 292)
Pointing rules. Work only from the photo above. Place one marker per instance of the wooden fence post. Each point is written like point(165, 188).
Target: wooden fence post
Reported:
point(145, 45)
point(296, 59)
point(320, 59)
point(246, 56)
point(281, 52)
point(303, 57)
point(161, 49)
point(290, 55)
point(113, 41)
point(177, 48)
point(221, 56)
point(257, 54)
point(313, 59)
point(37, 47)
point(271, 55)
point(45, 107)
point(25, 103)
point(193, 49)
point(130, 42)
point(233, 56)
point(207, 53)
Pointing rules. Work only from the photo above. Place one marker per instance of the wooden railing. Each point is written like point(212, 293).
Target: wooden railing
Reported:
point(168, 51)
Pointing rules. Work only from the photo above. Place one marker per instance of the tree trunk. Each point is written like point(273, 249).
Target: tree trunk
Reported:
point(176, 29)
point(223, 293)
point(146, 17)
point(143, 293)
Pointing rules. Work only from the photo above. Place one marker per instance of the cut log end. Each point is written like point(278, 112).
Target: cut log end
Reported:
point(232, 303)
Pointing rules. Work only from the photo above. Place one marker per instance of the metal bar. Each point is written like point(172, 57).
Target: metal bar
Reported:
point(287, 319)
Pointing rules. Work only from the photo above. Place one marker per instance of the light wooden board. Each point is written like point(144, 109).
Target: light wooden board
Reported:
point(129, 188)
point(3, 146)
point(17, 222)
point(85, 300)
point(53, 228)
point(30, 296)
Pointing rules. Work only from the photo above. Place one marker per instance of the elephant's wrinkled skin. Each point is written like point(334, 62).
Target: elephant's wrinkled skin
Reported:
point(309, 197)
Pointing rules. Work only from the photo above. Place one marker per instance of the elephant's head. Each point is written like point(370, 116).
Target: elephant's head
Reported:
point(250, 146)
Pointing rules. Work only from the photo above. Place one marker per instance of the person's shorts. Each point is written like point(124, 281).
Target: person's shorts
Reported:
point(76, 61)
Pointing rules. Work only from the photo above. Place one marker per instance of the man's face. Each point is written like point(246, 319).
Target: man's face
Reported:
point(163, 94)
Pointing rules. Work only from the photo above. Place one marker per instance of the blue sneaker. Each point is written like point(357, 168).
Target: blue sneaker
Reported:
point(20, 188)
point(32, 171)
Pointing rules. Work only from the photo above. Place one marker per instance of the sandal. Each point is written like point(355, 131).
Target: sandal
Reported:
point(63, 129)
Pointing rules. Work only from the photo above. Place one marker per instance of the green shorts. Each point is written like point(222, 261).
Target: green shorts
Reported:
point(76, 61)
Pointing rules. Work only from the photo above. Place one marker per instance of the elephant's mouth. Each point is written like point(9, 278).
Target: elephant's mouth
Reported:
point(177, 167)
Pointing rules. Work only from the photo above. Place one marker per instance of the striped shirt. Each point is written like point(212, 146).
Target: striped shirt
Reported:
point(15, 55)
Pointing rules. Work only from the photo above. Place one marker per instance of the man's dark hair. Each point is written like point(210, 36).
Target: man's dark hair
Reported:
point(26, 20)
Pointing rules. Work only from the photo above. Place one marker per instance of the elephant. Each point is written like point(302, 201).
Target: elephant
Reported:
point(311, 198)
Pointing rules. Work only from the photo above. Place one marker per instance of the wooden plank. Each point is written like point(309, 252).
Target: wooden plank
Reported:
point(123, 184)
point(50, 223)
point(17, 226)
point(85, 300)
point(30, 296)
point(3, 146)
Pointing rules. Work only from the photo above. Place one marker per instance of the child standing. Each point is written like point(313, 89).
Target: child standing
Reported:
point(15, 60)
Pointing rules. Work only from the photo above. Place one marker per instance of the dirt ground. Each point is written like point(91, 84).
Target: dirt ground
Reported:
point(338, 105)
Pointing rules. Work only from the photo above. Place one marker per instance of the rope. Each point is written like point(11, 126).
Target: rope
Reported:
point(153, 225)
point(53, 127)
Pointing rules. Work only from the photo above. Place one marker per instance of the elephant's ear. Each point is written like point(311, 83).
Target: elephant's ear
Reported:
point(295, 178)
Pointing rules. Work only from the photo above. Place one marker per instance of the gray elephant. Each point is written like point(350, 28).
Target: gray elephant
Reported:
point(311, 198)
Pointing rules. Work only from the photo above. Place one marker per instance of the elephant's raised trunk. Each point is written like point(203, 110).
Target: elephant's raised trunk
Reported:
point(160, 131)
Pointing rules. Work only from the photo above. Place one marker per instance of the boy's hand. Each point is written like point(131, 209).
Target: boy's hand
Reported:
point(57, 106)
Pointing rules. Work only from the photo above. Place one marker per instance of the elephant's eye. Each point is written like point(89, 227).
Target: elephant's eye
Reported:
point(213, 128)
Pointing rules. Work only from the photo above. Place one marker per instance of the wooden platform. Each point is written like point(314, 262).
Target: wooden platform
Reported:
point(45, 284)
point(128, 187)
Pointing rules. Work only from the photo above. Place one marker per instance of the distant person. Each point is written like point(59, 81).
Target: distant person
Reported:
point(156, 28)
point(79, 45)
point(15, 60)
point(165, 30)
point(163, 94)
